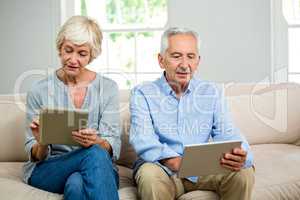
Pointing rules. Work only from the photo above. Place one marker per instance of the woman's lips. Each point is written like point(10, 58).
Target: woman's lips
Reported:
point(72, 67)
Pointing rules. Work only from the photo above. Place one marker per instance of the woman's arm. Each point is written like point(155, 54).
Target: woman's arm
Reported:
point(35, 150)
point(39, 152)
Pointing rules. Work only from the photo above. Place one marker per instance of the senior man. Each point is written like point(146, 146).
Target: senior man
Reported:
point(176, 110)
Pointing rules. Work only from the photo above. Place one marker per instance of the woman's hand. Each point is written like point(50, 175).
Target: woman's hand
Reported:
point(35, 129)
point(86, 137)
point(89, 137)
point(38, 151)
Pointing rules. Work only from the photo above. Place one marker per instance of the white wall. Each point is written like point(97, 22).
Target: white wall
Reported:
point(236, 37)
point(27, 39)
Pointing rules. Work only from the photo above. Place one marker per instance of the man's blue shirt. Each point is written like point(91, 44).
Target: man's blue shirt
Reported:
point(162, 124)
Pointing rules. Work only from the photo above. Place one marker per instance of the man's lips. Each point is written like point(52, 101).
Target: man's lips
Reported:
point(182, 73)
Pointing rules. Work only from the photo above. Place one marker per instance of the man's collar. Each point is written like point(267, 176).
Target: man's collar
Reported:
point(167, 88)
point(163, 83)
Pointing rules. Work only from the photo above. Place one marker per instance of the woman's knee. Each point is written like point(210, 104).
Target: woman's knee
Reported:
point(98, 154)
point(74, 186)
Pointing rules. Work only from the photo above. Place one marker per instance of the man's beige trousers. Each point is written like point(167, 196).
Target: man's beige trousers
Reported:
point(154, 184)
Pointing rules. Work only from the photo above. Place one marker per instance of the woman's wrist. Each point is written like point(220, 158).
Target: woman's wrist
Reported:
point(105, 145)
point(39, 151)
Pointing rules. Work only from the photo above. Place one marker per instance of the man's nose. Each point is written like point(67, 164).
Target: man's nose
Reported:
point(185, 62)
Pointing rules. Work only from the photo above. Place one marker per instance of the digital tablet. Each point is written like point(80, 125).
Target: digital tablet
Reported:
point(204, 159)
point(56, 125)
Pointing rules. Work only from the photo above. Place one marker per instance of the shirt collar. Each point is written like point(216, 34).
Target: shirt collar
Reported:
point(163, 83)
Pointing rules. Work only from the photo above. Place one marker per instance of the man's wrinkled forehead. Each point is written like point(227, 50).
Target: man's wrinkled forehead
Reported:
point(183, 43)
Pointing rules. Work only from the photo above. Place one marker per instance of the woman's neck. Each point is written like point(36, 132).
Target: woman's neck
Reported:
point(83, 79)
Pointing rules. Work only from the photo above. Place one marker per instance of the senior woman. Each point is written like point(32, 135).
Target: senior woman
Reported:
point(87, 171)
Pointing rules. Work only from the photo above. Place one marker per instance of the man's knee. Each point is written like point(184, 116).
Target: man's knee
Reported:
point(151, 173)
point(154, 182)
point(243, 179)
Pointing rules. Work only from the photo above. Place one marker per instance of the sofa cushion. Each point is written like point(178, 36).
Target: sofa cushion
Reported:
point(12, 126)
point(127, 155)
point(16, 190)
point(125, 175)
point(264, 113)
point(13, 188)
point(199, 195)
point(277, 171)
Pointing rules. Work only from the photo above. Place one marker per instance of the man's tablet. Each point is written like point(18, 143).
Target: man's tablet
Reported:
point(56, 125)
point(204, 159)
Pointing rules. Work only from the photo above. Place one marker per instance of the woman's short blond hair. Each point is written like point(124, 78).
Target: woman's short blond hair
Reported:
point(81, 30)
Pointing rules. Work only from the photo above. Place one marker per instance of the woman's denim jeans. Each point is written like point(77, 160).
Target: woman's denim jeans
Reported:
point(83, 174)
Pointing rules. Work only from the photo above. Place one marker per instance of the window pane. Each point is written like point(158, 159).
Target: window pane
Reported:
point(118, 53)
point(148, 45)
point(126, 13)
point(294, 78)
point(291, 11)
point(121, 50)
point(147, 77)
point(101, 62)
point(125, 81)
point(294, 49)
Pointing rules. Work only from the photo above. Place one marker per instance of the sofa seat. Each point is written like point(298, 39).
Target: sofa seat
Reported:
point(275, 178)
point(267, 115)
point(277, 171)
point(15, 189)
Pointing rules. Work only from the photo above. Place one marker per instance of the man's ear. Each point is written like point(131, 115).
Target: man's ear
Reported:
point(161, 61)
point(199, 60)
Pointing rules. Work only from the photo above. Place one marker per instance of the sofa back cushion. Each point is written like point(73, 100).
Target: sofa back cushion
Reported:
point(127, 155)
point(266, 113)
point(263, 113)
point(12, 128)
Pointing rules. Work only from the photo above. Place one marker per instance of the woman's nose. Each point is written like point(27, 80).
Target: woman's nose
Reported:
point(73, 58)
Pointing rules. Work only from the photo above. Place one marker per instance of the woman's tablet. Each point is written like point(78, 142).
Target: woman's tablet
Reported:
point(204, 159)
point(56, 125)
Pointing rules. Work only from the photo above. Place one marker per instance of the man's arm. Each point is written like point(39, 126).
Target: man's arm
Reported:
point(142, 134)
point(224, 129)
point(172, 163)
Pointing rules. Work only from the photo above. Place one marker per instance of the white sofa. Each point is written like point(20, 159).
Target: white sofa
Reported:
point(268, 115)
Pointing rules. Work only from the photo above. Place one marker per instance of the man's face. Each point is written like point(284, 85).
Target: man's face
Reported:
point(180, 59)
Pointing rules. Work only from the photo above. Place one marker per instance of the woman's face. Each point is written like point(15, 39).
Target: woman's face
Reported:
point(74, 57)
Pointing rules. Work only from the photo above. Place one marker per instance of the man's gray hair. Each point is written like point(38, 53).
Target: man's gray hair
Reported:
point(164, 43)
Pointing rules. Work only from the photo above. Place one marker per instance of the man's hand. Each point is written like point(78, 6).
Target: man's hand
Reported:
point(235, 160)
point(172, 163)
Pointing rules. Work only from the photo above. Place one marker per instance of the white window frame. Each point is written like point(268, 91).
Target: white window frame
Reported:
point(68, 9)
point(292, 25)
